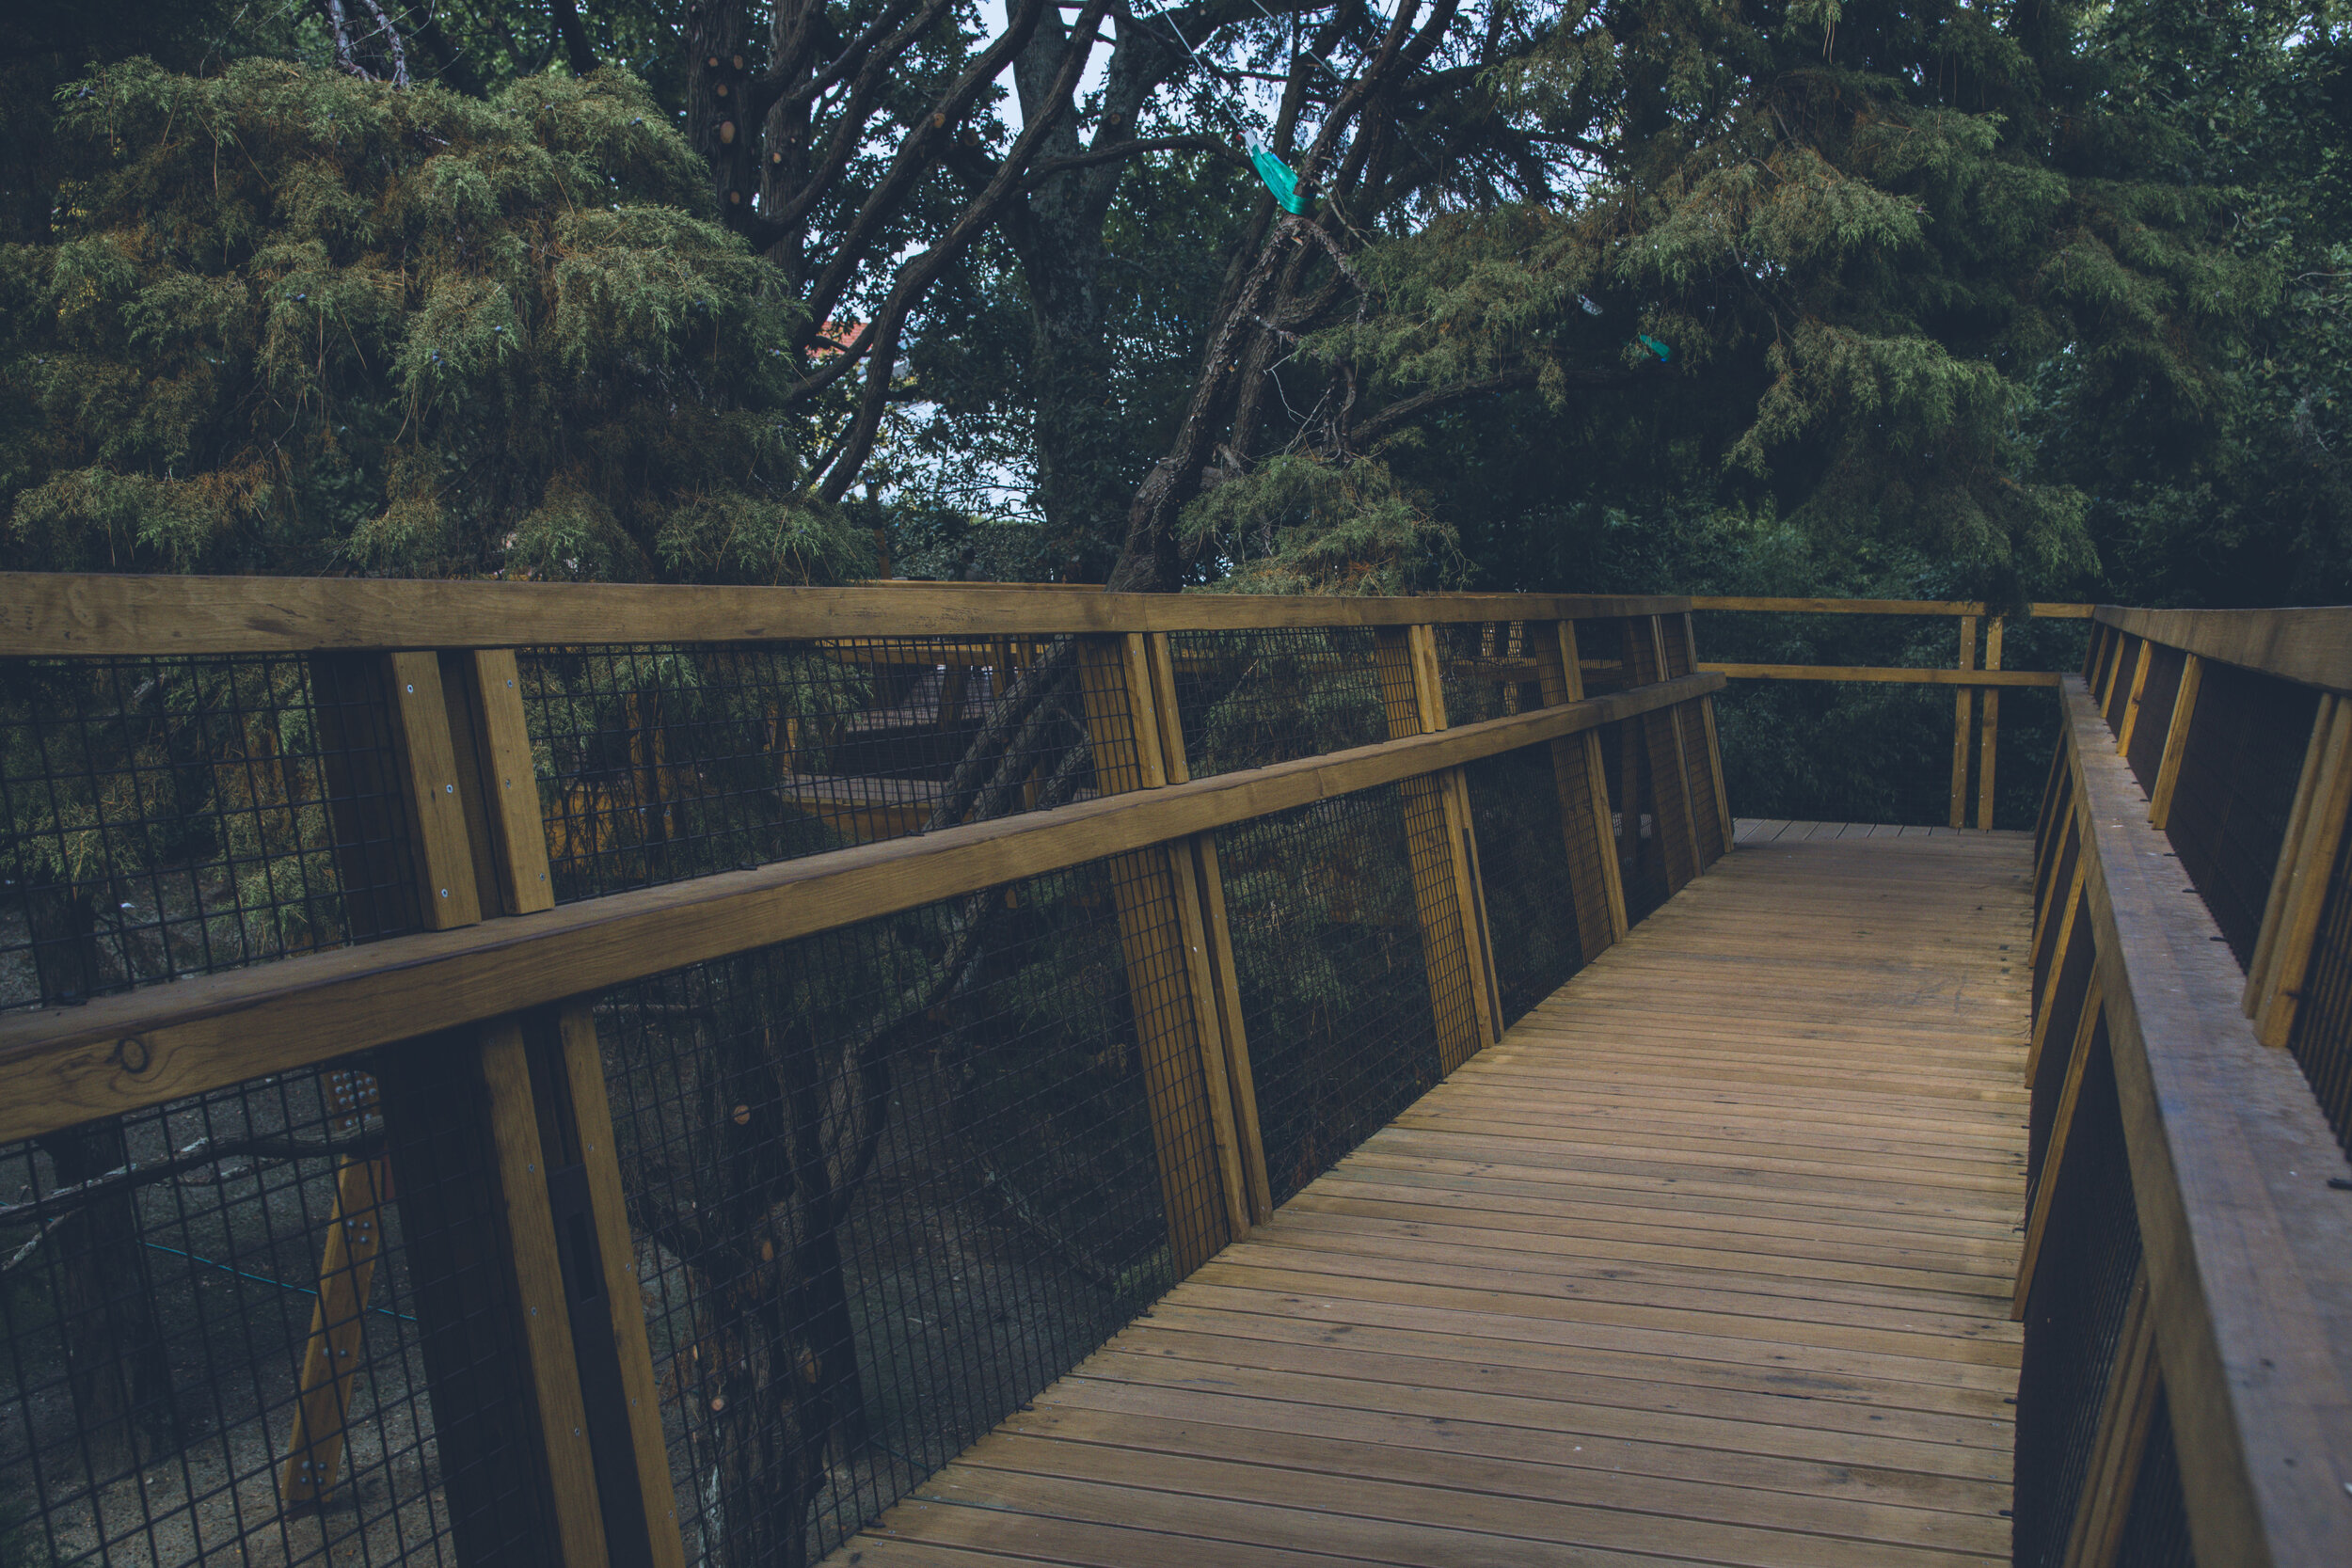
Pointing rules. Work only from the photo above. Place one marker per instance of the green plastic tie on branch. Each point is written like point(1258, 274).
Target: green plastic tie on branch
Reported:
point(1665, 354)
point(1277, 176)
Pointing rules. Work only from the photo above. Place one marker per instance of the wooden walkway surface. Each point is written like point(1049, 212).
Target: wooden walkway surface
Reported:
point(1707, 1261)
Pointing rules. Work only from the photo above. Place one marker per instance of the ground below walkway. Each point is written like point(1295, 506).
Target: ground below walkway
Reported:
point(1707, 1261)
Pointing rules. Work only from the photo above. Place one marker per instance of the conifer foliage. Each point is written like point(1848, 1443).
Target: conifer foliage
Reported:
point(302, 321)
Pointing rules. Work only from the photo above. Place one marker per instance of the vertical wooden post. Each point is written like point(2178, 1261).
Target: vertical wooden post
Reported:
point(2131, 703)
point(1209, 956)
point(1191, 1133)
point(538, 1274)
point(2274, 982)
point(1714, 745)
point(2175, 743)
point(1578, 776)
point(607, 1301)
point(354, 1235)
point(428, 760)
point(1963, 715)
point(1673, 825)
point(2046, 1180)
point(503, 815)
point(2126, 1415)
point(1435, 844)
point(1990, 746)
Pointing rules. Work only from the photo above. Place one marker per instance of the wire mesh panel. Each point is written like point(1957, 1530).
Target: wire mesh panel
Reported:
point(221, 1316)
point(1248, 699)
point(2165, 667)
point(887, 1185)
point(2322, 1036)
point(1333, 972)
point(1485, 670)
point(1530, 886)
point(2236, 787)
point(2074, 1318)
point(2155, 1530)
point(162, 817)
point(661, 763)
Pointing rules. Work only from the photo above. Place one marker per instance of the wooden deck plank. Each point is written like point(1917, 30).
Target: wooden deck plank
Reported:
point(1706, 1262)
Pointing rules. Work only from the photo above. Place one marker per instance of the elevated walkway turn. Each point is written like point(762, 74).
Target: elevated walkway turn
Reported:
point(1709, 1261)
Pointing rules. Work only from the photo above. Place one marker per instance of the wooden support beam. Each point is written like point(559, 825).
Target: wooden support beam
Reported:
point(2069, 931)
point(1161, 936)
point(2138, 689)
point(1989, 745)
point(2126, 1415)
point(330, 1358)
point(2176, 743)
point(1964, 716)
point(1884, 675)
point(2274, 982)
point(555, 1373)
point(2087, 1041)
point(1595, 883)
point(428, 762)
point(624, 1288)
point(1435, 847)
point(1676, 822)
point(498, 737)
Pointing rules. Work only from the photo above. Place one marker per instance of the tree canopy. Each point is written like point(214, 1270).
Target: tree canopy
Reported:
point(2030, 298)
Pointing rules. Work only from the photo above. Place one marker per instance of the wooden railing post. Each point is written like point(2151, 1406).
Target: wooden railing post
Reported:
point(1675, 826)
point(1990, 728)
point(2126, 1412)
point(1437, 841)
point(1162, 935)
point(1580, 776)
point(2176, 742)
point(1963, 715)
point(1713, 743)
point(2299, 886)
point(2138, 689)
point(462, 778)
point(1209, 949)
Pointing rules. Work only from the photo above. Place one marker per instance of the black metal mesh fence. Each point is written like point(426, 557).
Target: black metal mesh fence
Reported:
point(2074, 1318)
point(169, 816)
point(220, 1318)
point(1330, 961)
point(890, 1181)
point(1523, 864)
point(661, 763)
point(2236, 787)
point(1248, 699)
point(1485, 670)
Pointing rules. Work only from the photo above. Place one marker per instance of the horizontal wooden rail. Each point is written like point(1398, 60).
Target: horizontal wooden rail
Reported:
point(1880, 606)
point(2311, 646)
point(2248, 1249)
point(66, 615)
point(1903, 675)
point(61, 1067)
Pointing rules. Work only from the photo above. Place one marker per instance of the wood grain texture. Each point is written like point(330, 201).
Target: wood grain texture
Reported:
point(2312, 646)
point(1611, 1295)
point(2175, 742)
point(1879, 607)
point(2248, 1251)
point(539, 1281)
point(46, 614)
point(624, 1288)
point(1866, 674)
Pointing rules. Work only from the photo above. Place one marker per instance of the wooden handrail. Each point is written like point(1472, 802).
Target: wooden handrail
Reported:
point(2310, 646)
point(2248, 1249)
point(71, 614)
point(1888, 675)
point(62, 1066)
point(2040, 612)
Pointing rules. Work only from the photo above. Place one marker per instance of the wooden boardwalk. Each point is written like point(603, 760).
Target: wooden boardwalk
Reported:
point(1707, 1261)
